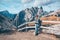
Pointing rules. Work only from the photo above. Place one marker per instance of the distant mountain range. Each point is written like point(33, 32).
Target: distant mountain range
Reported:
point(21, 17)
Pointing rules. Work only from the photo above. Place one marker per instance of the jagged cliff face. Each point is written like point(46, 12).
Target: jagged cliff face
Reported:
point(19, 19)
point(27, 15)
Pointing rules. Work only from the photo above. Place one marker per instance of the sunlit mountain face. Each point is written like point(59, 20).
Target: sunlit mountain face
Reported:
point(15, 6)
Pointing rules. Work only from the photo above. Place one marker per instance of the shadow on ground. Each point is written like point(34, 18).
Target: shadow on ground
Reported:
point(7, 32)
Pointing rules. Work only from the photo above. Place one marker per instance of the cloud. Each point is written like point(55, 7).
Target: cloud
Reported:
point(26, 1)
point(2, 7)
point(43, 2)
point(38, 2)
point(14, 6)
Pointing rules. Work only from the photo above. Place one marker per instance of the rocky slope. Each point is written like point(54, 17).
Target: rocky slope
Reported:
point(5, 23)
point(28, 15)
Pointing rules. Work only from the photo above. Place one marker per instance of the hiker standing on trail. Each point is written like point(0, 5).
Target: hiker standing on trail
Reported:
point(37, 24)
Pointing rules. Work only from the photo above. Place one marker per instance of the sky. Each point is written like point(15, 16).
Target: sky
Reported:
point(15, 6)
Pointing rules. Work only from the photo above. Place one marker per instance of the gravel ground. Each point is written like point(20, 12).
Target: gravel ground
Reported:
point(26, 36)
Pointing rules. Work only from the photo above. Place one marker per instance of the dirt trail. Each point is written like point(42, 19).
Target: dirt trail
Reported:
point(27, 36)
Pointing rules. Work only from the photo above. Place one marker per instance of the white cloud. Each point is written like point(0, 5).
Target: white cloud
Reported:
point(41, 2)
point(26, 1)
point(14, 6)
point(12, 9)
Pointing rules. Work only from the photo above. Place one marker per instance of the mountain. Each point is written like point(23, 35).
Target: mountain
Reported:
point(7, 14)
point(6, 20)
point(52, 16)
point(5, 24)
point(28, 15)
point(19, 19)
point(57, 12)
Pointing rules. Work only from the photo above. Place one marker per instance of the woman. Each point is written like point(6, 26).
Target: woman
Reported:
point(37, 24)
